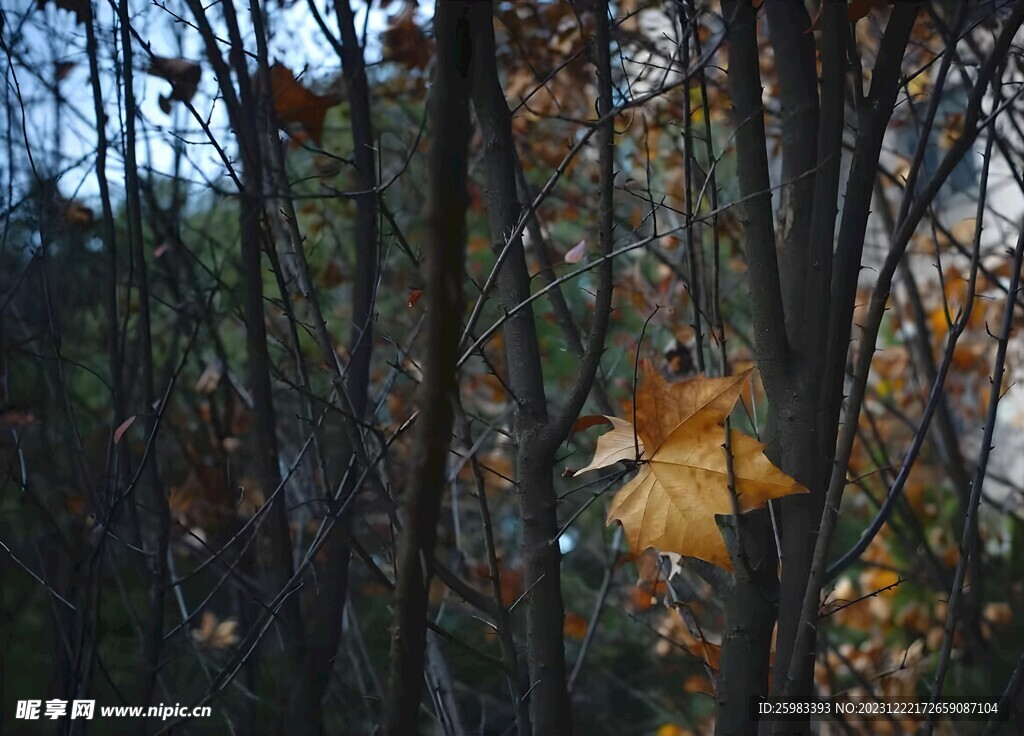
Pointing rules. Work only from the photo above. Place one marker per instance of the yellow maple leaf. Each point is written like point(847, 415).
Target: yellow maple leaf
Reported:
point(672, 502)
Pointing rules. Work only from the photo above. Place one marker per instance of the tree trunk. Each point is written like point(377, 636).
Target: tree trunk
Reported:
point(536, 434)
point(446, 235)
point(337, 550)
point(807, 299)
point(750, 608)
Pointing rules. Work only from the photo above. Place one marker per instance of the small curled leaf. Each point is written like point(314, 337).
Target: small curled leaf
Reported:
point(576, 253)
point(119, 432)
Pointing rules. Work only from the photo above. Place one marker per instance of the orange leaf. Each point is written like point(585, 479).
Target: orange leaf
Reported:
point(575, 626)
point(179, 500)
point(698, 684)
point(293, 103)
point(640, 597)
point(478, 244)
point(511, 586)
point(591, 420)
point(702, 648)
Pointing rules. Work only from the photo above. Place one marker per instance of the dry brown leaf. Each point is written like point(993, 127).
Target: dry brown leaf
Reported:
point(662, 406)
point(618, 444)
point(76, 214)
point(333, 275)
point(575, 626)
point(293, 103)
point(699, 684)
point(12, 416)
point(700, 647)
point(589, 420)
point(250, 498)
point(404, 41)
point(63, 69)
point(858, 9)
point(75, 504)
point(215, 634)
point(672, 502)
point(209, 379)
point(179, 501)
point(963, 231)
point(181, 73)
point(511, 585)
point(999, 614)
